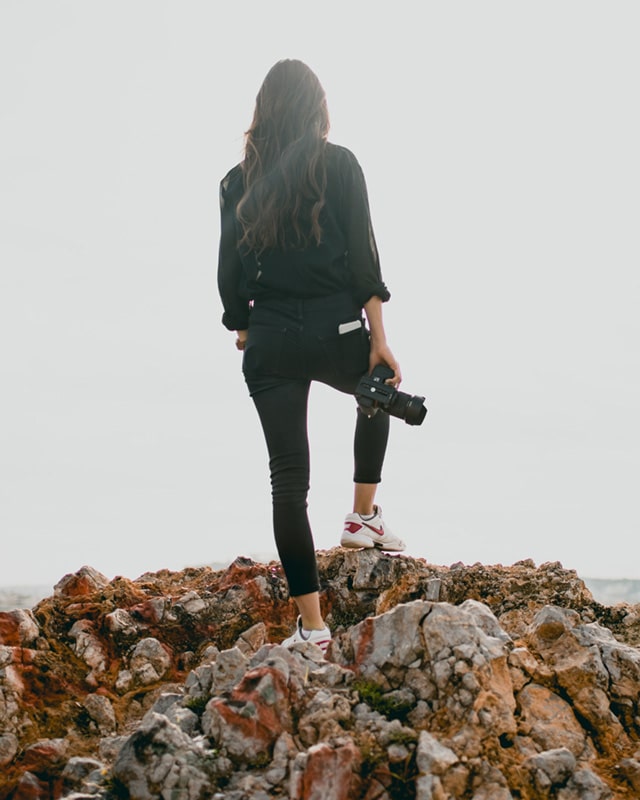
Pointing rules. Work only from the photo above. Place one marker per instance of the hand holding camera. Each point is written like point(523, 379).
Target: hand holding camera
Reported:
point(373, 394)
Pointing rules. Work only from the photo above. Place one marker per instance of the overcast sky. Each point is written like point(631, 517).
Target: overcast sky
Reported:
point(500, 145)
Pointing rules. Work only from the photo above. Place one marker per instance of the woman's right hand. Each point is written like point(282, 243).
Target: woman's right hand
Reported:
point(380, 353)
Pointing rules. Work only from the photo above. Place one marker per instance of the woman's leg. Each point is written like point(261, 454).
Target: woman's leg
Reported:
point(364, 495)
point(283, 414)
point(365, 526)
point(369, 449)
point(309, 610)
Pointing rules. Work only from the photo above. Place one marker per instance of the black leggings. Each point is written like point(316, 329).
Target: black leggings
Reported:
point(290, 343)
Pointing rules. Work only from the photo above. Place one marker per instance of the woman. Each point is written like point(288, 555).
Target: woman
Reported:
point(298, 264)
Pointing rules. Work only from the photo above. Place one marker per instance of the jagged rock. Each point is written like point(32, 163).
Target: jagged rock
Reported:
point(170, 704)
point(433, 759)
point(191, 603)
point(85, 581)
point(89, 647)
point(278, 768)
point(109, 747)
point(101, 712)
point(592, 669)
point(258, 709)
point(228, 667)
point(123, 682)
point(76, 771)
point(121, 624)
point(149, 661)
point(551, 769)
point(8, 748)
point(629, 769)
point(585, 785)
point(323, 717)
point(472, 682)
point(326, 772)
point(253, 638)
point(549, 721)
point(18, 628)
point(443, 655)
point(45, 756)
point(30, 787)
point(11, 690)
point(160, 760)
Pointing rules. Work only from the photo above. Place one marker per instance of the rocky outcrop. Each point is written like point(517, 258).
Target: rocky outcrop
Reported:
point(479, 682)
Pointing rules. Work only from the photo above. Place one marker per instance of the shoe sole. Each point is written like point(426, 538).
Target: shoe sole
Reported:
point(354, 540)
point(358, 542)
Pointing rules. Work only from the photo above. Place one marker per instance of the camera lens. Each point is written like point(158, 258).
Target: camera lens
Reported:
point(415, 411)
point(408, 407)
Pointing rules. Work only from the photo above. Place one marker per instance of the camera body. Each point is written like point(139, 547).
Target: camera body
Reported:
point(373, 394)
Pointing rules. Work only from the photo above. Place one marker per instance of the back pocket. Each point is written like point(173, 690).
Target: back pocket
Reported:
point(263, 351)
point(353, 351)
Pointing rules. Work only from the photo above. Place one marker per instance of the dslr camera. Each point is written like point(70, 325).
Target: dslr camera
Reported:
point(372, 393)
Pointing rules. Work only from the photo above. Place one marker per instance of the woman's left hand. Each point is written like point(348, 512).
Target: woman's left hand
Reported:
point(241, 339)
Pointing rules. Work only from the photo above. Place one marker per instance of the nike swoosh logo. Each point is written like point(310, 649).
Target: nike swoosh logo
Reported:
point(379, 531)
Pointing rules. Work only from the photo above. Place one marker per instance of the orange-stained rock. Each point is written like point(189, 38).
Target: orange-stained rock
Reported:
point(84, 582)
point(149, 611)
point(549, 720)
point(248, 721)
point(18, 628)
point(497, 684)
point(329, 773)
point(45, 757)
point(32, 788)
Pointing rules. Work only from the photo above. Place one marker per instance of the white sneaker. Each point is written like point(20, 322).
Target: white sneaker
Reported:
point(373, 532)
point(321, 638)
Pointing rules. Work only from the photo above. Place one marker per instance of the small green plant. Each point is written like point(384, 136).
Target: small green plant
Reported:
point(404, 736)
point(261, 760)
point(196, 704)
point(374, 696)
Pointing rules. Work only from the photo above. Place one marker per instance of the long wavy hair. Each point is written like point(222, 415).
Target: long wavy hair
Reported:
point(284, 168)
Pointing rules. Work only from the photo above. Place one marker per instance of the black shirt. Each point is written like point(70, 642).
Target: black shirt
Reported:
point(346, 258)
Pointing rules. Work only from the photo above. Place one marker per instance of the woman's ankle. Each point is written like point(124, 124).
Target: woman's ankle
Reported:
point(364, 495)
point(309, 610)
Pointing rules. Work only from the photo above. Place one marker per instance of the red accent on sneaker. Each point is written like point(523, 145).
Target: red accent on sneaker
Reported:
point(379, 531)
point(352, 527)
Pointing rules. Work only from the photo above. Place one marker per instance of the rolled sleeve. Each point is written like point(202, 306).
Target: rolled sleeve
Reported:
point(362, 251)
point(231, 279)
